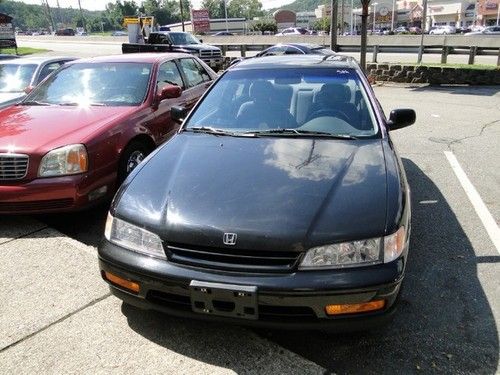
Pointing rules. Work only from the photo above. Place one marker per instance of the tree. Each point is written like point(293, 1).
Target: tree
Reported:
point(248, 9)
point(265, 25)
point(215, 8)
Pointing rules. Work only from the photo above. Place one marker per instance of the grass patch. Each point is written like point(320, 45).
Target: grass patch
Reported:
point(22, 51)
point(456, 66)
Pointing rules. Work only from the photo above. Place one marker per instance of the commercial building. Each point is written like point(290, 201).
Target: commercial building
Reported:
point(459, 13)
point(488, 12)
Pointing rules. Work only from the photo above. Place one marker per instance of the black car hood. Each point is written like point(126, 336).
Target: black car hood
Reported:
point(274, 193)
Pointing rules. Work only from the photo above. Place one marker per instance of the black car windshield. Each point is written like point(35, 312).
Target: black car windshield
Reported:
point(111, 84)
point(183, 38)
point(288, 102)
point(15, 77)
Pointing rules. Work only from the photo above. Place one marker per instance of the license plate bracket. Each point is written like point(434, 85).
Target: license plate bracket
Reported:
point(233, 301)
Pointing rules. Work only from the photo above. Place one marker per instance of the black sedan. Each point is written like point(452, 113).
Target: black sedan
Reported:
point(295, 49)
point(281, 202)
point(290, 49)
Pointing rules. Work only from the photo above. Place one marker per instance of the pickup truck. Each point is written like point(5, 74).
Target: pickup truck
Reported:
point(174, 41)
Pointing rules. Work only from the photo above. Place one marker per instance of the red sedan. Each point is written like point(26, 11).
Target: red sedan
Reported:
point(76, 136)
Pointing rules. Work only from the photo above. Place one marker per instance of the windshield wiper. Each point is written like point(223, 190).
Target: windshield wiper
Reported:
point(295, 132)
point(34, 102)
point(215, 131)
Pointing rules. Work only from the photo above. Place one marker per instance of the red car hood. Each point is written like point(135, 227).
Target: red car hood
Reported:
point(28, 129)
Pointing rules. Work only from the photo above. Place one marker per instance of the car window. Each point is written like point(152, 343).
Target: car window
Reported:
point(203, 72)
point(84, 84)
point(275, 51)
point(48, 69)
point(169, 73)
point(191, 72)
point(329, 100)
point(15, 77)
point(293, 51)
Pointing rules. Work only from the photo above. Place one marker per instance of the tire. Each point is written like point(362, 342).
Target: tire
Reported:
point(130, 158)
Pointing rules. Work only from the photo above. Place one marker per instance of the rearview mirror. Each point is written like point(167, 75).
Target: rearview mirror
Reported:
point(178, 113)
point(169, 92)
point(400, 118)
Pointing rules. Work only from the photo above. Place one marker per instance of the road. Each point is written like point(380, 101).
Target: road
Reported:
point(111, 46)
point(450, 306)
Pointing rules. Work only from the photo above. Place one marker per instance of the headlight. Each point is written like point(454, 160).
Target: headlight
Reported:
point(65, 160)
point(356, 253)
point(346, 254)
point(133, 238)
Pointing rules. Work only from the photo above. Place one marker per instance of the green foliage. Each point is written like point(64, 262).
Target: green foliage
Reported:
point(248, 9)
point(265, 25)
point(215, 8)
point(310, 5)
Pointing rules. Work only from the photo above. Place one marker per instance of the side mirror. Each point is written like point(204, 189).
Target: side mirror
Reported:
point(178, 113)
point(201, 40)
point(28, 89)
point(169, 92)
point(400, 118)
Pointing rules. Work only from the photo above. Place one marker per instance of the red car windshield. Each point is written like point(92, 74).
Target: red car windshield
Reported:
point(109, 84)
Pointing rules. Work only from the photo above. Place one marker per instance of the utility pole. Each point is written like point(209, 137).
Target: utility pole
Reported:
point(45, 3)
point(364, 21)
point(424, 21)
point(333, 25)
point(182, 15)
point(81, 15)
point(342, 18)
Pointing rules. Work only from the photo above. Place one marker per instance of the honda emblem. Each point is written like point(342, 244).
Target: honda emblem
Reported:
point(229, 238)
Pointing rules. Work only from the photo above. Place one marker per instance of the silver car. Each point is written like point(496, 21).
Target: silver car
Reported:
point(490, 30)
point(18, 76)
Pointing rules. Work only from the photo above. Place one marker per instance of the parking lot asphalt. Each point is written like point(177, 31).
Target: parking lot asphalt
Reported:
point(57, 316)
point(450, 304)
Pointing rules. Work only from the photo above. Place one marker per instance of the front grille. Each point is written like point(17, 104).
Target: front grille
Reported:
point(210, 53)
point(53, 204)
point(233, 259)
point(13, 166)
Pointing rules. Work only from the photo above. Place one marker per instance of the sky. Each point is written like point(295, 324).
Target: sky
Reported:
point(101, 4)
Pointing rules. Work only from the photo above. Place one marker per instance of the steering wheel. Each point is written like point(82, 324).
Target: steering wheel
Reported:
point(331, 113)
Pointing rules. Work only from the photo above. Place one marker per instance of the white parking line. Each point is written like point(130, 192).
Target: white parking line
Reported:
point(482, 211)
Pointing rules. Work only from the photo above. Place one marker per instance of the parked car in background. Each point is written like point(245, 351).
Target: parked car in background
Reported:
point(290, 49)
point(77, 135)
point(119, 33)
point(19, 76)
point(281, 202)
point(7, 56)
point(489, 30)
point(295, 49)
point(401, 30)
point(65, 32)
point(415, 30)
point(443, 30)
point(178, 41)
point(223, 33)
point(293, 31)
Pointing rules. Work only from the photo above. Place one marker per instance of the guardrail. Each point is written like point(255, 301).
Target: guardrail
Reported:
point(444, 50)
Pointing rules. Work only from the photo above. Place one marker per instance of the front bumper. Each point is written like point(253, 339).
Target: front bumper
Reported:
point(54, 194)
point(293, 300)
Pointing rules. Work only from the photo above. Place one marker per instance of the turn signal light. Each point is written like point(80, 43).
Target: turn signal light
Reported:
point(127, 284)
point(354, 308)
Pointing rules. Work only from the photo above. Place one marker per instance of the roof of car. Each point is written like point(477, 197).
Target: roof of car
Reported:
point(134, 57)
point(297, 61)
point(39, 59)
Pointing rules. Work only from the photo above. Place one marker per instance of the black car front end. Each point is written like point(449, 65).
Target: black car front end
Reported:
point(296, 300)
